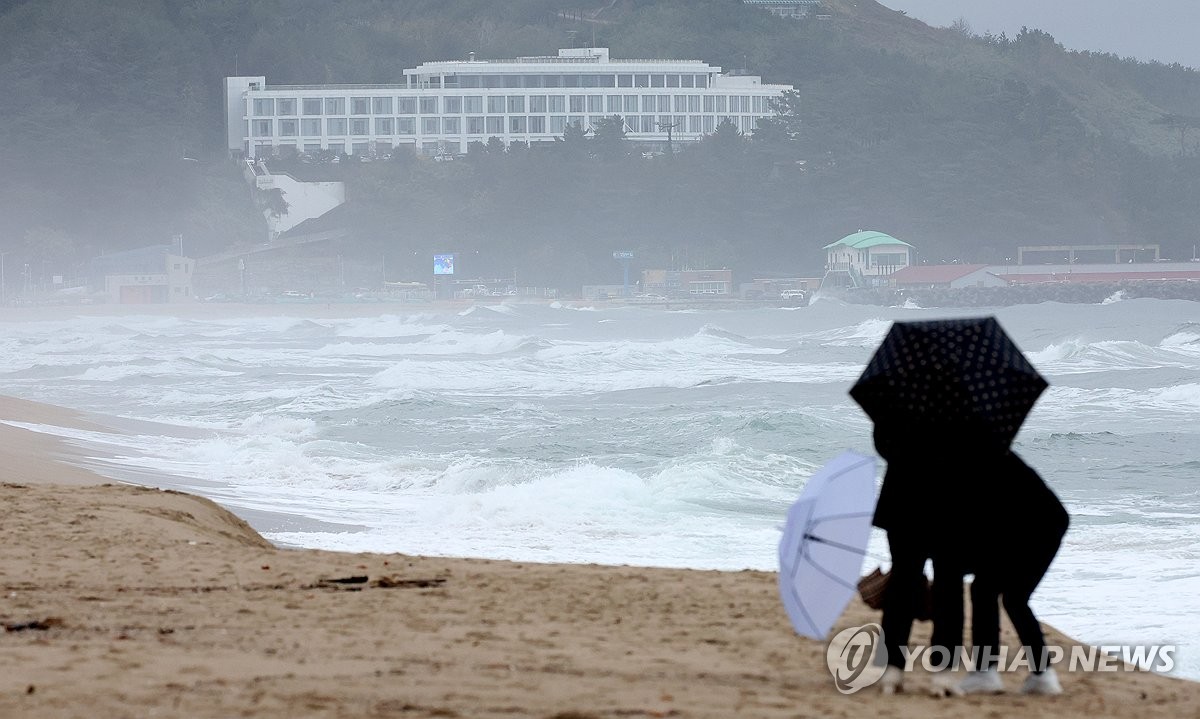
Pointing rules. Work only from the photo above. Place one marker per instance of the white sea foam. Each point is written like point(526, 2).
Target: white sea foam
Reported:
point(629, 435)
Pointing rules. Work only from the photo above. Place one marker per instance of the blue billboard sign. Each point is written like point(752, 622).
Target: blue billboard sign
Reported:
point(443, 264)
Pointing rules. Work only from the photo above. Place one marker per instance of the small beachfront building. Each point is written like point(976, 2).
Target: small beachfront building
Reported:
point(439, 108)
point(147, 275)
point(866, 259)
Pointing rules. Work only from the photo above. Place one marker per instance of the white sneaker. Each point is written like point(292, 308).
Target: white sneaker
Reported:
point(943, 684)
point(987, 681)
point(1045, 683)
point(892, 680)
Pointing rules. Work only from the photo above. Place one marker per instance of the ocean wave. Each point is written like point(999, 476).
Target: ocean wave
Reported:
point(867, 333)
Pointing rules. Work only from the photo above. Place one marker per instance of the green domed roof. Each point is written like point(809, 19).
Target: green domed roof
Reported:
point(868, 238)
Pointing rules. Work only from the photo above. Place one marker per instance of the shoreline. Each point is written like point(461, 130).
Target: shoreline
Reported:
point(163, 602)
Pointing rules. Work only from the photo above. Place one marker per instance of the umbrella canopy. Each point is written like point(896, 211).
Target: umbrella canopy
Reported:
point(965, 374)
point(824, 541)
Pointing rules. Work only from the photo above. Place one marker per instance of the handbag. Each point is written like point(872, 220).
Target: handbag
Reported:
point(873, 588)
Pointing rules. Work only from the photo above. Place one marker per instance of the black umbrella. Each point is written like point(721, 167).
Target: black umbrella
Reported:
point(965, 375)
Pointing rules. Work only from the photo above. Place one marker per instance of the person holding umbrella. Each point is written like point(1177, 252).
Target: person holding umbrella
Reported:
point(947, 397)
point(918, 506)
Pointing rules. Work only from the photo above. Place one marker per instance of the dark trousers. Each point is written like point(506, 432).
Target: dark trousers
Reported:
point(1014, 579)
point(948, 571)
point(905, 588)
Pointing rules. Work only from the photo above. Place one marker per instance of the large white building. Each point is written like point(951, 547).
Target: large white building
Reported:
point(443, 106)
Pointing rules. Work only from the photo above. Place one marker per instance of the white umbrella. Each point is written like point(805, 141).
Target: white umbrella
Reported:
point(824, 542)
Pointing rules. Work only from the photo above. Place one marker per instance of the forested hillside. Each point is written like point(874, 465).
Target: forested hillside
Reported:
point(965, 146)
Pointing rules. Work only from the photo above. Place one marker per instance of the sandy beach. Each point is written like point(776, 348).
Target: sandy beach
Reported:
point(126, 601)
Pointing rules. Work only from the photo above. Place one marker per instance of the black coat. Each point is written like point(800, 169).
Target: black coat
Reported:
point(964, 494)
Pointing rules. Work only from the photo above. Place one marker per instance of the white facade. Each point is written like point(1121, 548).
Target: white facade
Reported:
point(441, 107)
point(172, 285)
point(793, 9)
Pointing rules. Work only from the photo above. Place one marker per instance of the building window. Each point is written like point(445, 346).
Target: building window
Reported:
point(613, 104)
point(558, 124)
point(429, 105)
point(649, 103)
point(516, 124)
point(558, 103)
point(595, 103)
point(624, 80)
point(360, 126)
point(312, 147)
point(473, 104)
point(475, 126)
point(406, 106)
point(710, 124)
point(384, 126)
point(537, 103)
point(262, 128)
point(516, 103)
point(451, 125)
point(360, 148)
point(310, 126)
point(495, 125)
point(693, 103)
point(672, 81)
point(702, 81)
point(335, 126)
point(578, 103)
point(406, 126)
point(312, 106)
point(381, 106)
point(658, 81)
point(687, 80)
point(264, 107)
point(286, 105)
point(641, 81)
point(680, 103)
point(648, 123)
point(453, 105)
point(758, 105)
point(430, 125)
point(335, 106)
point(287, 128)
point(631, 103)
point(495, 103)
point(360, 106)
point(693, 124)
point(537, 125)
point(710, 103)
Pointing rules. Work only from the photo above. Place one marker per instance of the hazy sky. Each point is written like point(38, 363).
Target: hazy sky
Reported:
point(1163, 30)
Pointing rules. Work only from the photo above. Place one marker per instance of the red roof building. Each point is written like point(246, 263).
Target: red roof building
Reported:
point(945, 276)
